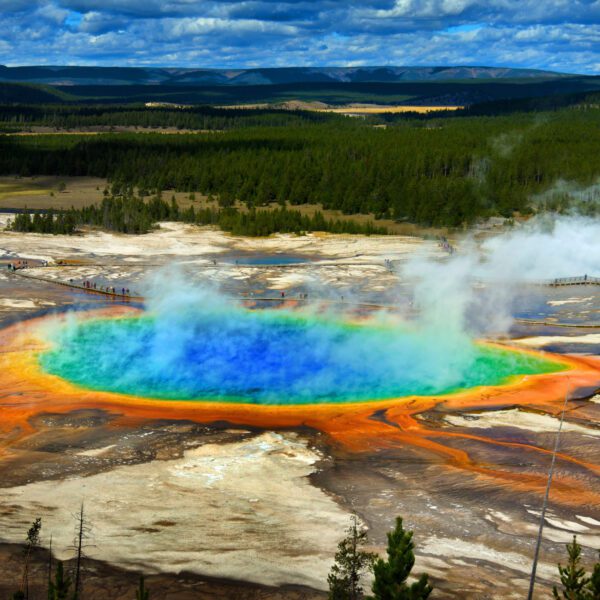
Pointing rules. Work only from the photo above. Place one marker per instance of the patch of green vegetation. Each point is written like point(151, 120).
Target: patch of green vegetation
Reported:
point(13, 189)
point(127, 214)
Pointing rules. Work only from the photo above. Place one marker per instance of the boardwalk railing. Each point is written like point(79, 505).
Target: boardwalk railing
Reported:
point(243, 297)
point(285, 300)
point(581, 280)
point(134, 296)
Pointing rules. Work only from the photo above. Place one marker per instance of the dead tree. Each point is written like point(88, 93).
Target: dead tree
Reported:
point(82, 535)
point(50, 566)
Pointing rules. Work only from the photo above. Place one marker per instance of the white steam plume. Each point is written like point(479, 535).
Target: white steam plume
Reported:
point(477, 285)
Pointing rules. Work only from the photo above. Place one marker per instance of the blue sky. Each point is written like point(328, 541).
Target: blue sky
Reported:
point(561, 35)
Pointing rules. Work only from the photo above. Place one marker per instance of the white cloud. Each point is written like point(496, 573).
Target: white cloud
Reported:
point(52, 13)
point(558, 34)
point(204, 26)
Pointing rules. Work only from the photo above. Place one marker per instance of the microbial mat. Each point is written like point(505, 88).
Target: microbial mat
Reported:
point(364, 384)
point(274, 358)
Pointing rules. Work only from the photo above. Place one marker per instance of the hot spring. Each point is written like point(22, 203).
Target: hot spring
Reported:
point(274, 358)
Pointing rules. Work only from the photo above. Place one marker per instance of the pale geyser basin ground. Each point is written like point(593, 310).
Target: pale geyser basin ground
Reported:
point(528, 421)
point(243, 511)
point(189, 242)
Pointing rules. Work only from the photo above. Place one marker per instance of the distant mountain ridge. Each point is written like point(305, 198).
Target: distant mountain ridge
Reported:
point(107, 76)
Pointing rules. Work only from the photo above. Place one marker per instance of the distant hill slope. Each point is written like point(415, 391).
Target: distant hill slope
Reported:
point(581, 100)
point(421, 93)
point(421, 86)
point(12, 93)
point(107, 76)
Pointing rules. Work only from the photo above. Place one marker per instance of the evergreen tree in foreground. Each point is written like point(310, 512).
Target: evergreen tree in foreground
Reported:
point(575, 584)
point(572, 576)
point(60, 587)
point(594, 583)
point(32, 542)
point(142, 593)
point(351, 563)
point(391, 574)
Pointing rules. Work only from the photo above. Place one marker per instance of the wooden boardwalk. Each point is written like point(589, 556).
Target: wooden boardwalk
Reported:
point(245, 298)
point(137, 298)
point(581, 280)
point(523, 321)
point(295, 300)
point(116, 295)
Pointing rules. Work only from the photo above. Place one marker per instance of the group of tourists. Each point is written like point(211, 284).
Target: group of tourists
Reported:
point(86, 283)
point(444, 244)
point(92, 285)
point(282, 295)
point(24, 264)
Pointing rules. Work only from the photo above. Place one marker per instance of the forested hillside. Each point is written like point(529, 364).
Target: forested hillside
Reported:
point(459, 91)
point(137, 115)
point(441, 172)
point(11, 93)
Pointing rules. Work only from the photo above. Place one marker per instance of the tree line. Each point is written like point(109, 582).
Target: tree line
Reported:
point(390, 576)
point(51, 221)
point(138, 115)
point(352, 562)
point(445, 172)
point(135, 215)
point(59, 584)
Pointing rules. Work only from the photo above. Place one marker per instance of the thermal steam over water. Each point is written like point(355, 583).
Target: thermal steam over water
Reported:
point(273, 357)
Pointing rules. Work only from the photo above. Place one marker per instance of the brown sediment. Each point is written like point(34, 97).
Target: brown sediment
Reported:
point(103, 580)
point(356, 427)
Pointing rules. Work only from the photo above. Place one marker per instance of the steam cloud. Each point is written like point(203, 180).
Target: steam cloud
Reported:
point(199, 344)
point(472, 292)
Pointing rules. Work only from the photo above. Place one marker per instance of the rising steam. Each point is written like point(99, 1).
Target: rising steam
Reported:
point(195, 344)
point(472, 291)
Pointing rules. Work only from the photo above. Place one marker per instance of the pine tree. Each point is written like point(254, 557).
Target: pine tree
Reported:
point(59, 588)
point(391, 574)
point(572, 577)
point(142, 593)
point(351, 563)
point(593, 586)
point(575, 584)
point(33, 541)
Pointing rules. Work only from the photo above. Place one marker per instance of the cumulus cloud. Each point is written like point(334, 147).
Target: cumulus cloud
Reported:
point(561, 35)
